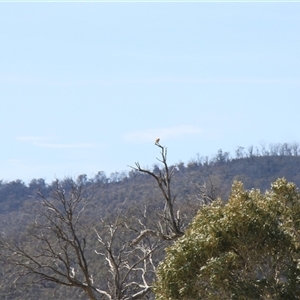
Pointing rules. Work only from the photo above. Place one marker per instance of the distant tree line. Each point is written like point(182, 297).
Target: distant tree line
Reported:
point(13, 193)
point(275, 149)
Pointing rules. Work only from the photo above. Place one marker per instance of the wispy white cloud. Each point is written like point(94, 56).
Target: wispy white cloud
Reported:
point(28, 80)
point(46, 142)
point(30, 138)
point(64, 146)
point(194, 80)
point(162, 133)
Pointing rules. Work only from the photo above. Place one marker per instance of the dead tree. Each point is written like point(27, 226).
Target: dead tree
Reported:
point(55, 245)
point(205, 194)
point(171, 225)
point(131, 268)
point(60, 247)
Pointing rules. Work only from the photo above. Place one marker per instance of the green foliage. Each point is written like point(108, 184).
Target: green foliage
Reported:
point(248, 248)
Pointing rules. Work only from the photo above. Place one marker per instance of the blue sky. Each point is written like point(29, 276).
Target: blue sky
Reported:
point(88, 87)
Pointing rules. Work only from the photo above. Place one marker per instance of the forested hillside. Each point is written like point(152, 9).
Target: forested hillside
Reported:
point(256, 170)
point(193, 183)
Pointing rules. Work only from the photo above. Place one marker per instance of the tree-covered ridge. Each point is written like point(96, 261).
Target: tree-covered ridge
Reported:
point(255, 166)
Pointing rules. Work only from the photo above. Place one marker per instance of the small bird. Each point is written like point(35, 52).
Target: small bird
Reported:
point(157, 141)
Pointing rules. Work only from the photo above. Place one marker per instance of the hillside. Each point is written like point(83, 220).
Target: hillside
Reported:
point(111, 192)
point(125, 191)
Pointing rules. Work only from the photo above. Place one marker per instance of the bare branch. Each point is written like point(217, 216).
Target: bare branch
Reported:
point(163, 178)
point(60, 252)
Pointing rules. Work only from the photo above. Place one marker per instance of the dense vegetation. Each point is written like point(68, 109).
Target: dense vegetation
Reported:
point(130, 194)
point(245, 249)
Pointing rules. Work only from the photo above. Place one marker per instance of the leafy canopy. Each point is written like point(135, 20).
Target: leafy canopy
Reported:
point(248, 248)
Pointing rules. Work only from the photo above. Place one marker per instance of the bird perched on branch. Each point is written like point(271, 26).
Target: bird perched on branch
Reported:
point(157, 141)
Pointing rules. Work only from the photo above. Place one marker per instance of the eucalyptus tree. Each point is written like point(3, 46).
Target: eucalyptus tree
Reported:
point(248, 248)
